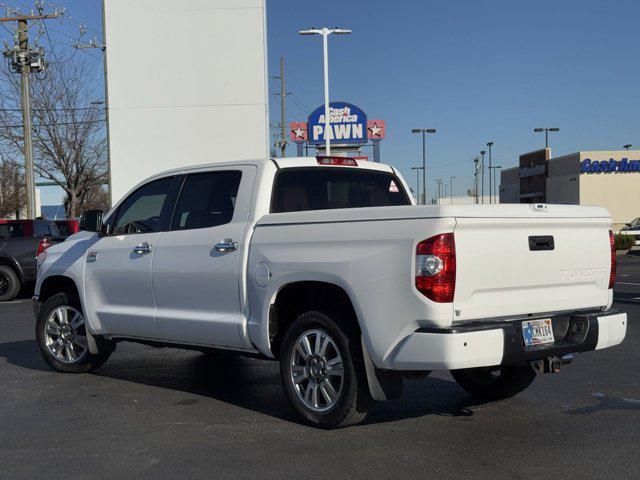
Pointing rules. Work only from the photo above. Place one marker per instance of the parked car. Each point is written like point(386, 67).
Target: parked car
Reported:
point(21, 241)
point(325, 264)
point(632, 228)
point(67, 227)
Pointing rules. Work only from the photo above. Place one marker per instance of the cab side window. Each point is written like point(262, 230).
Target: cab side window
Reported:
point(206, 200)
point(141, 211)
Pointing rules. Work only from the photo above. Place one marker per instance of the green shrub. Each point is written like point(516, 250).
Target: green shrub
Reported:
point(624, 242)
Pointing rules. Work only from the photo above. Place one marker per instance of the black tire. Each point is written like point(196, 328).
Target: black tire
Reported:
point(495, 383)
point(85, 361)
point(354, 400)
point(9, 283)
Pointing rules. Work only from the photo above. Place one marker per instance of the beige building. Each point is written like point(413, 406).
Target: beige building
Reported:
point(607, 178)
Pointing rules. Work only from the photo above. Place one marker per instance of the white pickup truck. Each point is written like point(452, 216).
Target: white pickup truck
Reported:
point(325, 264)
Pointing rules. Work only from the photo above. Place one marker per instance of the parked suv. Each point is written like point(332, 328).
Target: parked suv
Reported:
point(325, 264)
point(21, 241)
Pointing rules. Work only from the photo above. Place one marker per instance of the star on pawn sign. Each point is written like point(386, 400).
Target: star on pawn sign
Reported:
point(375, 130)
point(298, 132)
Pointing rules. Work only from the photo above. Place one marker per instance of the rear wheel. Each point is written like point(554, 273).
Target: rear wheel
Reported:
point(9, 283)
point(323, 372)
point(61, 333)
point(495, 383)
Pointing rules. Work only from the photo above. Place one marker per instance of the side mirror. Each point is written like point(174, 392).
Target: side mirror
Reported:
point(91, 221)
point(628, 224)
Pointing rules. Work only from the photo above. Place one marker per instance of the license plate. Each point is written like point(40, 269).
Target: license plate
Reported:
point(537, 332)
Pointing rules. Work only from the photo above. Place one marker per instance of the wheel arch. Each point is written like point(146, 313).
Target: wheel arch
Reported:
point(295, 298)
point(14, 265)
point(58, 284)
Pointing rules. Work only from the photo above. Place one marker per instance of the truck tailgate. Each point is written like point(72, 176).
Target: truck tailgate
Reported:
point(507, 265)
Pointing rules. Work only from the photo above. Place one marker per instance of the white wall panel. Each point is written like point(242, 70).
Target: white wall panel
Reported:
point(186, 84)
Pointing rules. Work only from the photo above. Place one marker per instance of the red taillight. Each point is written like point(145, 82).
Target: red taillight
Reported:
point(614, 261)
point(436, 268)
point(346, 161)
point(42, 246)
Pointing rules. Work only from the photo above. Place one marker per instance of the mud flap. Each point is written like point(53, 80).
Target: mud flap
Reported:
point(383, 384)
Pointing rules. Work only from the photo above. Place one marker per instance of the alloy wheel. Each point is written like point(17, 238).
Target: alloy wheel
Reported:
point(5, 284)
point(317, 371)
point(65, 334)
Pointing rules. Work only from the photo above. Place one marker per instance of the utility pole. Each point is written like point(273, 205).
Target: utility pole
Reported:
point(24, 60)
point(283, 108)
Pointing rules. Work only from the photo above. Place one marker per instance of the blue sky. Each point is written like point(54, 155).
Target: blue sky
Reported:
point(476, 70)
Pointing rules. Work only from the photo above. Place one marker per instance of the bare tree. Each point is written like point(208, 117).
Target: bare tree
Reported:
point(69, 137)
point(12, 194)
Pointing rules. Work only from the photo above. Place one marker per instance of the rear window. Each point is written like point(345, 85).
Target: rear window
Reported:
point(301, 189)
point(46, 229)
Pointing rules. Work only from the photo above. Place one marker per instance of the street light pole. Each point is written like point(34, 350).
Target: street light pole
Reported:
point(490, 182)
point(417, 169)
point(424, 131)
point(497, 167)
point(451, 192)
point(438, 196)
point(325, 32)
point(546, 131)
point(475, 164)
point(482, 173)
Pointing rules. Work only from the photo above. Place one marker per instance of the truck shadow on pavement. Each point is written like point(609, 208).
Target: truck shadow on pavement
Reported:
point(248, 383)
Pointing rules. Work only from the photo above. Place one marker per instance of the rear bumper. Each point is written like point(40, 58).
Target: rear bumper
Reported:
point(502, 343)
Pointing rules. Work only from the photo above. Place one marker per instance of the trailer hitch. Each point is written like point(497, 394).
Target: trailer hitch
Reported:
point(550, 364)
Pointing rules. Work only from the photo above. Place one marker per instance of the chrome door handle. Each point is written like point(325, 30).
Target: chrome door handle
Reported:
point(144, 247)
point(226, 245)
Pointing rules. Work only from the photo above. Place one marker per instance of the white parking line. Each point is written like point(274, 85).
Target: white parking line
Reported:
point(627, 283)
point(632, 300)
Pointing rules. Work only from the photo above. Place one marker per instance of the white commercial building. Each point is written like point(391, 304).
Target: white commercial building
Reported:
point(186, 84)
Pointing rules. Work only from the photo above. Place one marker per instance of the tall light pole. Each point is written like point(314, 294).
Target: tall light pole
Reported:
point(325, 32)
point(490, 144)
point(546, 133)
point(417, 169)
point(424, 132)
point(451, 192)
point(475, 165)
point(495, 183)
point(482, 152)
point(439, 182)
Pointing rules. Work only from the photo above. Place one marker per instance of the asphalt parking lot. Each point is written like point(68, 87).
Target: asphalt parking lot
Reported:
point(165, 413)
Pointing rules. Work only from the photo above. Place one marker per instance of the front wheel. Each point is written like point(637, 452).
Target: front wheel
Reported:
point(495, 383)
point(61, 333)
point(323, 373)
point(9, 283)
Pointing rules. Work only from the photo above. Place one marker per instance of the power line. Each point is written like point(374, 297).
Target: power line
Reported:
point(79, 122)
point(302, 105)
point(68, 109)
